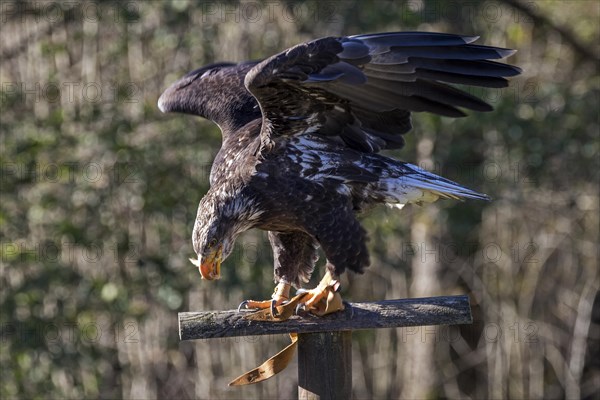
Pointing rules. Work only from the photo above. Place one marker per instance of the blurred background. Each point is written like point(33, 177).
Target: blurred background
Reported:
point(99, 194)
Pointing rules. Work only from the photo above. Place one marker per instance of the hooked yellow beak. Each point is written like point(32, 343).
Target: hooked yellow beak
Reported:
point(210, 268)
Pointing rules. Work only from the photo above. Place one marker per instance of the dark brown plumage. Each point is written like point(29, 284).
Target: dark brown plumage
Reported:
point(301, 136)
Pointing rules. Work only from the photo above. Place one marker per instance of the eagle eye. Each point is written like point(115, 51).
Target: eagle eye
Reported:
point(212, 243)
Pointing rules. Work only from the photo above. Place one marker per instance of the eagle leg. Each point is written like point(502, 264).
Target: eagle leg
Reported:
point(280, 295)
point(324, 299)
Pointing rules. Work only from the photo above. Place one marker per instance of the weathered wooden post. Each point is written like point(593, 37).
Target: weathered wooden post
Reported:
point(333, 349)
point(328, 339)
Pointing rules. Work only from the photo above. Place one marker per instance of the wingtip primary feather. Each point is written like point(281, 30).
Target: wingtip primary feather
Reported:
point(162, 103)
point(504, 53)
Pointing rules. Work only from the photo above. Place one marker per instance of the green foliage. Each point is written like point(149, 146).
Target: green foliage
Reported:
point(99, 195)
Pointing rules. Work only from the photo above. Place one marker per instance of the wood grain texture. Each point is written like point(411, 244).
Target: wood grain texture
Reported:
point(443, 310)
point(325, 366)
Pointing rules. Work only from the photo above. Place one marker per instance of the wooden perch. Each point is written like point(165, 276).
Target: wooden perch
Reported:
point(444, 310)
point(328, 340)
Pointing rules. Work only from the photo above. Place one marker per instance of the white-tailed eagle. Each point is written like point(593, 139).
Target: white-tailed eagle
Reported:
point(302, 131)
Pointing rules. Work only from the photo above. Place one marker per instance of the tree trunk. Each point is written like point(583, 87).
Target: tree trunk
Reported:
point(419, 365)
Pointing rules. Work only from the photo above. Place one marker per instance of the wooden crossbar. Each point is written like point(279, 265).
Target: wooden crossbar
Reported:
point(444, 310)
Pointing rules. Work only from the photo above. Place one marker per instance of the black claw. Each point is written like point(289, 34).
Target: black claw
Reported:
point(299, 308)
point(242, 304)
point(274, 312)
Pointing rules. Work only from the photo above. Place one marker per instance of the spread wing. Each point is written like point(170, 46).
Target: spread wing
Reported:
point(361, 89)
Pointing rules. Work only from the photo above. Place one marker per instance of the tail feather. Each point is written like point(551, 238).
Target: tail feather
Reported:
point(417, 185)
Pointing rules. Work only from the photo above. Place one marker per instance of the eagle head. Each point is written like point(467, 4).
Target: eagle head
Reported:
point(219, 221)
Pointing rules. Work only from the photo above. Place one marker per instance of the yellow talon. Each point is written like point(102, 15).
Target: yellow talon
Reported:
point(327, 284)
point(280, 295)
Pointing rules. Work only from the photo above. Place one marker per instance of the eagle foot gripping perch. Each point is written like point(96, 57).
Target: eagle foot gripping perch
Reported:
point(322, 300)
point(325, 300)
